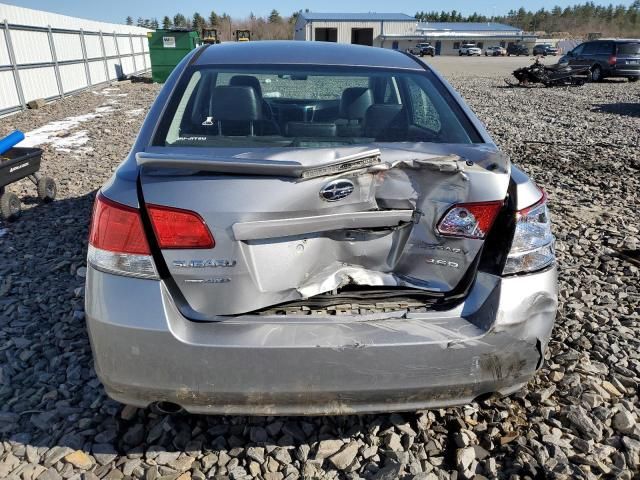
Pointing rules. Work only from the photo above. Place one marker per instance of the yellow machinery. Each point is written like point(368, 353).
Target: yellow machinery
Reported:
point(243, 35)
point(210, 36)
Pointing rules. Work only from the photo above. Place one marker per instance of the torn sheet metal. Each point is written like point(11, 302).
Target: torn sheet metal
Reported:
point(281, 165)
point(284, 237)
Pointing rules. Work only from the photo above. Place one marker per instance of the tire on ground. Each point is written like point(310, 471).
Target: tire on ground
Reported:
point(10, 206)
point(47, 189)
point(595, 74)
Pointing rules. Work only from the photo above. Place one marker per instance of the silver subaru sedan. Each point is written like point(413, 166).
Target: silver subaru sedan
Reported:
point(311, 228)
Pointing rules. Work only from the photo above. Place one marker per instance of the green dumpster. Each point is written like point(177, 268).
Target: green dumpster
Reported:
point(167, 48)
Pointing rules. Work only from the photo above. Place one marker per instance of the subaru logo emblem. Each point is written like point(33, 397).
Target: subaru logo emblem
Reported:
point(336, 190)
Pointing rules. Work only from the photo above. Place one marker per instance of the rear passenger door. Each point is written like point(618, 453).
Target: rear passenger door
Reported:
point(589, 55)
point(603, 54)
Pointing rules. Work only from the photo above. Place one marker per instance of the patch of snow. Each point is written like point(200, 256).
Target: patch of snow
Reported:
point(135, 112)
point(55, 133)
point(73, 141)
point(109, 92)
point(50, 133)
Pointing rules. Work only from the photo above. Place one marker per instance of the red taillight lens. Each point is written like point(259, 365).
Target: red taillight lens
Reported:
point(612, 60)
point(471, 220)
point(117, 228)
point(176, 228)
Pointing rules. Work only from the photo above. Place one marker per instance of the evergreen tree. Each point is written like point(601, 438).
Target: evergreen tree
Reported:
point(198, 23)
point(166, 22)
point(213, 19)
point(129, 21)
point(274, 17)
point(179, 20)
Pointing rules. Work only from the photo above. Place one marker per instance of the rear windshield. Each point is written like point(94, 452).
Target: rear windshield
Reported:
point(629, 48)
point(310, 107)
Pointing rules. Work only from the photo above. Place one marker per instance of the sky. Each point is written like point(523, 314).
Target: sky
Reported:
point(117, 10)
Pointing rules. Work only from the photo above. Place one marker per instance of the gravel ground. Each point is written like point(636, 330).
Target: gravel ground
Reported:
point(576, 419)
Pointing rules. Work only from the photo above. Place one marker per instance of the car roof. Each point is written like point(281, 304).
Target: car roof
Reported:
point(297, 52)
point(617, 40)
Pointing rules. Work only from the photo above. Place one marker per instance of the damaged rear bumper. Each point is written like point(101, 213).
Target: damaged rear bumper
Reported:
point(145, 351)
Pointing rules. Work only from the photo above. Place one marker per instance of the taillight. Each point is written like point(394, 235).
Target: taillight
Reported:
point(117, 228)
point(533, 245)
point(117, 242)
point(470, 220)
point(612, 60)
point(176, 228)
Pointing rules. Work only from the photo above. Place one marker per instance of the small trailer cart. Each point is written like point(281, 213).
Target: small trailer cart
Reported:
point(16, 164)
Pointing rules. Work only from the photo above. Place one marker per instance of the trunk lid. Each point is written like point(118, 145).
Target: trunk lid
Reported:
point(292, 224)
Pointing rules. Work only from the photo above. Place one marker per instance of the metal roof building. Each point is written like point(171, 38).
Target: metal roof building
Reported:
point(400, 31)
point(355, 17)
point(357, 28)
point(473, 27)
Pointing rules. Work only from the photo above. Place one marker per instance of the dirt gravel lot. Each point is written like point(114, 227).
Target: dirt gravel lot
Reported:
point(576, 419)
point(481, 66)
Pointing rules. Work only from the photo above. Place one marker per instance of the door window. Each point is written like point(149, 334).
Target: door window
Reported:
point(578, 50)
point(423, 113)
point(605, 48)
point(591, 48)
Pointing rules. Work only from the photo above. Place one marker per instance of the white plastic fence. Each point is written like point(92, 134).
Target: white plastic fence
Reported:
point(38, 61)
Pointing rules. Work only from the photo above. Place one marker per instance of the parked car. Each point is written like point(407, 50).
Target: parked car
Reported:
point(607, 58)
point(225, 248)
point(469, 49)
point(545, 49)
point(495, 51)
point(517, 49)
point(423, 49)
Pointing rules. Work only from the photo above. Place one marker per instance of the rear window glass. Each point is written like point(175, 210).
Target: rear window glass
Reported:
point(310, 107)
point(629, 48)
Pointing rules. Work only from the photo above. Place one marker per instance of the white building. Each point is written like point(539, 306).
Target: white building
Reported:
point(358, 28)
point(400, 31)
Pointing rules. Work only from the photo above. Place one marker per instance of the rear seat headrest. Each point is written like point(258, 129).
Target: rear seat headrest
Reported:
point(235, 103)
point(247, 81)
point(386, 122)
point(354, 102)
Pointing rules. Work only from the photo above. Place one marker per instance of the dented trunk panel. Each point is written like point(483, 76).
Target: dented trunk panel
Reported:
point(284, 231)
